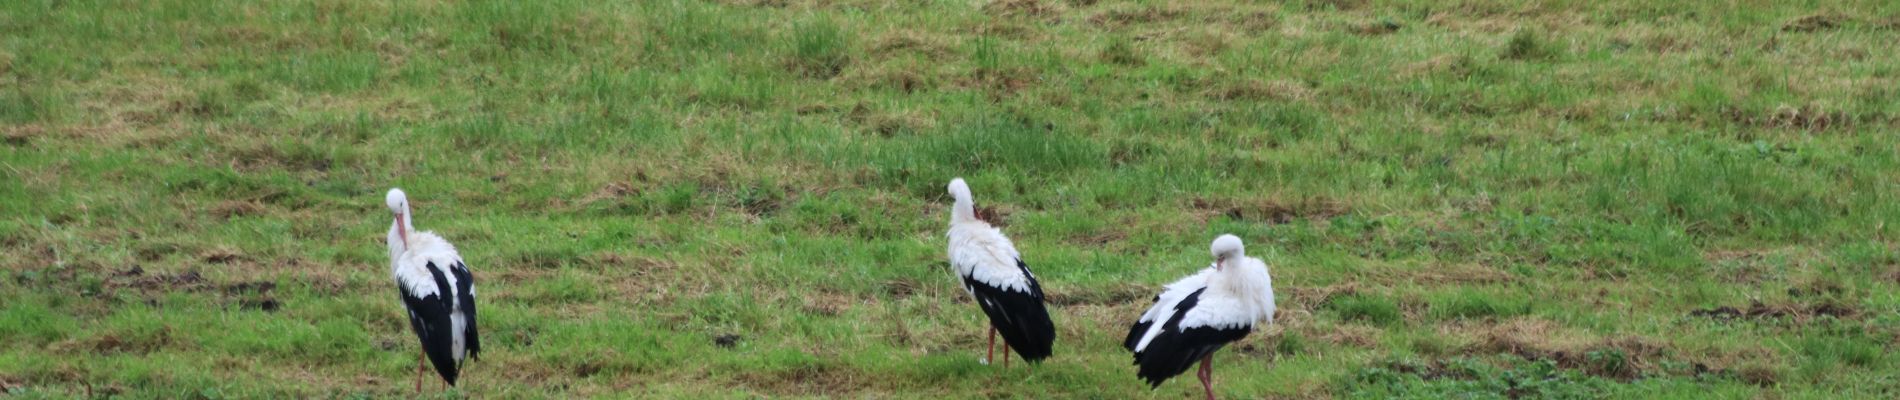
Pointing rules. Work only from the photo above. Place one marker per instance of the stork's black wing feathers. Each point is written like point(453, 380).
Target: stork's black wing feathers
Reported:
point(1035, 287)
point(465, 292)
point(1175, 350)
point(1135, 332)
point(429, 316)
point(1134, 336)
point(1020, 317)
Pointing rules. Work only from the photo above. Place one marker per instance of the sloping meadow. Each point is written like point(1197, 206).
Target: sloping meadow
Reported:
point(746, 198)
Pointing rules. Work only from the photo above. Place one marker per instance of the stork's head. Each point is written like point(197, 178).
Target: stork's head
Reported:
point(964, 210)
point(1227, 247)
point(959, 190)
point(399, 208)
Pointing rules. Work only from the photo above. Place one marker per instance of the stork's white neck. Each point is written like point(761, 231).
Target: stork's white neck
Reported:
point(963, 211)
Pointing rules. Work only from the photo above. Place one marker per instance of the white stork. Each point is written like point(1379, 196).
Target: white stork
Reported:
point(1197, 315)
point(438, 291)
point(996, 277)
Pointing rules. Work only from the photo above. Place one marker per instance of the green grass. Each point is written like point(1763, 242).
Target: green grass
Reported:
point(1374, 309)
point(1480, 199)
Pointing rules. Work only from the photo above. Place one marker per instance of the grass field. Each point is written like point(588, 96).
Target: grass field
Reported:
point(744, 198)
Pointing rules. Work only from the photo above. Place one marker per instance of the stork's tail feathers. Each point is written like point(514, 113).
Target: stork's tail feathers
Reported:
point(448, 370)
point(1028, 331)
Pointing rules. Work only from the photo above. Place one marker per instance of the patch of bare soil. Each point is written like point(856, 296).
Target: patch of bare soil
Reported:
point(1792, 312)
point(1376, 28)
point(249, 295)
point(1275, 210)
point(1815, 23)
point(1122, 17)
point(902, 287)
point(136, 278)
point(998, 217)
point(20, 135)
point(1001, 83)
point(890, 123)
point(912, 42)
point(111, 344)
point(221, 255)
point(1817, 289)
point(1622, 358)
point(229, 209)
point(1353, 335)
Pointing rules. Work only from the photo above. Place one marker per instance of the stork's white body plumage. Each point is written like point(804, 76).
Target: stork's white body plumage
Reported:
point(437, 290)
point(994, 274)
point(981, 252)
point(1196, 316)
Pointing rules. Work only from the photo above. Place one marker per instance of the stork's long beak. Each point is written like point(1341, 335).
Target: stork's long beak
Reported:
point(1220, 263)
point(402, 231)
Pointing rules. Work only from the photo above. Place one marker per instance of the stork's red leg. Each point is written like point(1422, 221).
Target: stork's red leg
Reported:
point(1005, 354)
point(992, 352)
point(1207, 375)
point(419, 360)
